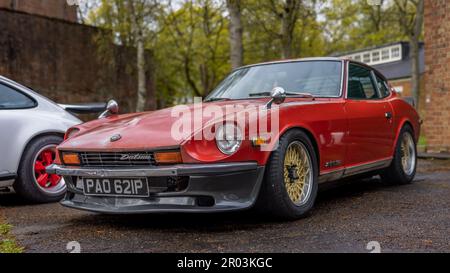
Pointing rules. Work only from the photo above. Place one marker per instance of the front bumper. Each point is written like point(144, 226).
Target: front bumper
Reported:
point(227, 186)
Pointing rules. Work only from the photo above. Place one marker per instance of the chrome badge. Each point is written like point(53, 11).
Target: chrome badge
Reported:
point(115, 137)
point(135, 157)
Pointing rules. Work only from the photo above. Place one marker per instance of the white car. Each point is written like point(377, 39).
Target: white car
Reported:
point(31, 126)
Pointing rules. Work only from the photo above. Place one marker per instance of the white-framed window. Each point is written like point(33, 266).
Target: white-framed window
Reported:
point(395, 52)
point(386, 54)
point(366, 58)
point(375, 56)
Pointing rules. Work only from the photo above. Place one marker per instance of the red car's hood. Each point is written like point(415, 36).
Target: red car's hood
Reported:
point(138, 131)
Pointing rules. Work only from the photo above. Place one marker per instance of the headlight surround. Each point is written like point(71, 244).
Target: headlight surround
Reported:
point(71, 132)
point(228, 138)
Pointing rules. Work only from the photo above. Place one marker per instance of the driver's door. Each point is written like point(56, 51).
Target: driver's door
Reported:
point(370, 118)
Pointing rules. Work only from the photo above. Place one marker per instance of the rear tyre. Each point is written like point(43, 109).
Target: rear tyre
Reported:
point(33, 183)
point(404, 164)
point(290, 183)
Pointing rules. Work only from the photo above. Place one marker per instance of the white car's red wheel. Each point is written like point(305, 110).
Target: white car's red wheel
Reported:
point(50, 183)
point(33, 182)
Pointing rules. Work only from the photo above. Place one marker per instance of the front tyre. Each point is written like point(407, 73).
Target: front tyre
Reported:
point(33, 183)
point(404, 164)
point(291, 178)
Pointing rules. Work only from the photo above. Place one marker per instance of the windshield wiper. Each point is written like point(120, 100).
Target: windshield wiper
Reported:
point(216, 99)
point(290, 94)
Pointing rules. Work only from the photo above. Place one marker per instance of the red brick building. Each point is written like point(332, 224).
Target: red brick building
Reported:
point(49, 8)
point(437, 75)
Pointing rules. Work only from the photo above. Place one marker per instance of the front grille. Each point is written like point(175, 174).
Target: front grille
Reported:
point(117, 159)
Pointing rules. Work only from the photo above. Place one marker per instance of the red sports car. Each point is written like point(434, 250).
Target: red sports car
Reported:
point(267, 137)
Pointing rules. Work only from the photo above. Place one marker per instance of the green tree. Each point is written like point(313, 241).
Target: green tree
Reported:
point(192, 48)
point(409, 14)
point(132, 23)
point(281, 29)
point(196, 42)
point(236, 31)
point(350, 25)
point(356, 24)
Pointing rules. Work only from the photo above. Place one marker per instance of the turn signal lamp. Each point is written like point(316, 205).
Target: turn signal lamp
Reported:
point(258, 141)
point(168, 157)
point(71, 159)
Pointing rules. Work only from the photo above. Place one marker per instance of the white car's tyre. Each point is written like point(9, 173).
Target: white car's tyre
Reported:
point(33, 183)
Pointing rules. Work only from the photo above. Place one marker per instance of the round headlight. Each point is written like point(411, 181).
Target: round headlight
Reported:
point(228, 138)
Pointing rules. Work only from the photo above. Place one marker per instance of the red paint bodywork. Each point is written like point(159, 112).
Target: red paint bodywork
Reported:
point(353, 132)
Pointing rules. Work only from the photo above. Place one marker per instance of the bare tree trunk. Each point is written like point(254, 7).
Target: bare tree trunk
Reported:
point(414, 52)
point(236, 47)
point(142, 91)
point(288, 22)
point(140, 57)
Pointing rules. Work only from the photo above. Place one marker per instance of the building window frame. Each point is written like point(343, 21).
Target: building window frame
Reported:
point(379, 55)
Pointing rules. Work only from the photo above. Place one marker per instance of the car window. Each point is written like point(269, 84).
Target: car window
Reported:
point(13, 99)
point(360, 83)
point(383, 87)
point(320, 78)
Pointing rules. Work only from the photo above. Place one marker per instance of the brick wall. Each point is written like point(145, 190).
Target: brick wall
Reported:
point(50, 8)
point(437, 75)
point(406, 86)
point(61, 60)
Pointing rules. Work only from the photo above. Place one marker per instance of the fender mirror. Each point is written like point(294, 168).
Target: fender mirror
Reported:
point(112, 108)
point(278, 95)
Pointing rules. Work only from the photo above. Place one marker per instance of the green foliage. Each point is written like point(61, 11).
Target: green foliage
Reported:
point(191, 44)
point(422, 141)
point(7, 243)
point(262, 21)
point(10, 246)
point(192, 50)
point(4, 229)
point(351, 25)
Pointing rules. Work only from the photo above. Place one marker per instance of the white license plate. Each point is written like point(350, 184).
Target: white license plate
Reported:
point(120, 187)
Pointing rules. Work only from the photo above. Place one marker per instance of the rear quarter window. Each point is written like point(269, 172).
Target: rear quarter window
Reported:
point(13, 99)
point(383, 87)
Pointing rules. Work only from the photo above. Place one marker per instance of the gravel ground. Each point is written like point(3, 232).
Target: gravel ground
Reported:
point(411, 218)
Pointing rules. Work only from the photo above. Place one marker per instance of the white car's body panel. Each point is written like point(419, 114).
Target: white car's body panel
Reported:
point(19, 126)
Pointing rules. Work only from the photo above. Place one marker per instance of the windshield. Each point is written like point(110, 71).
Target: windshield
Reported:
point(318, 78)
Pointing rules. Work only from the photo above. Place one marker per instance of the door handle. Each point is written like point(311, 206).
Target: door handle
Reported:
point(388, 115)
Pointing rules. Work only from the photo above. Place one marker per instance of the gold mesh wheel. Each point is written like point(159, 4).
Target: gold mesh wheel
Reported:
point(298, 173)
point(408, 154)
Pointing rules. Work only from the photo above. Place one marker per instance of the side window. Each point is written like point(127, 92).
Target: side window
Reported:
point(12, 99)
point(383, 87)
point(360, 83)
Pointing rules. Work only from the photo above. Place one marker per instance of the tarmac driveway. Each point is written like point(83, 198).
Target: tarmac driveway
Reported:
point(411, 218)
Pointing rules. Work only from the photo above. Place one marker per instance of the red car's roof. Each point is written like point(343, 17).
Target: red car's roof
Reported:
point(338, 59)
point(297, 60)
